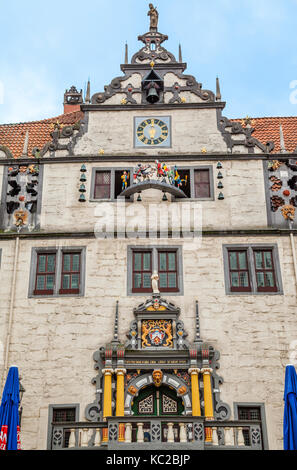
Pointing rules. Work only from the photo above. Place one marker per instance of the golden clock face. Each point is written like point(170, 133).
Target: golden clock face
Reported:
point(152, 131)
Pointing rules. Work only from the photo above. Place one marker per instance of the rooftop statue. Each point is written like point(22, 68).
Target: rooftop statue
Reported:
point(154, 16)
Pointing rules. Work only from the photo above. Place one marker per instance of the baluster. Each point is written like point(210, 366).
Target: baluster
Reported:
point(229, 437)
point(182, 433)
point(140, 433)
point(170, 435)
point(240, 437)
point(215, 437)
point(85, 437)
point(97, 441)
point(128, 433)
point(71, 438)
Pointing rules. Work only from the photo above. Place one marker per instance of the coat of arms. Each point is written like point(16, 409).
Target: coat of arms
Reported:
point(157, 333)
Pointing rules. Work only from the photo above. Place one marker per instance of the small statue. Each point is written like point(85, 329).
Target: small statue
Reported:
point(178, 181)
point(155, 279)
point(124, 178)
point(154, 17)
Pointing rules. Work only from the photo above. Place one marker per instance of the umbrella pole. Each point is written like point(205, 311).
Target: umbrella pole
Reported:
point(10, 320)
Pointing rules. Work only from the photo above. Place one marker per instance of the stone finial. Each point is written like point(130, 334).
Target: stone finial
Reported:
point(218, 90)
point(197, 326)
point(126, 54)
point(116, 325)
point(88, 93)
point(282, 140)
point(26, 144)
point(180, 56)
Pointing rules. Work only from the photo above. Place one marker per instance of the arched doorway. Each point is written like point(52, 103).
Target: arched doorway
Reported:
point(157, 401)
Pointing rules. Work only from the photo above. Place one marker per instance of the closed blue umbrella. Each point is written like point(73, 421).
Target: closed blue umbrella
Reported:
point(9, 412)
point(290, 411)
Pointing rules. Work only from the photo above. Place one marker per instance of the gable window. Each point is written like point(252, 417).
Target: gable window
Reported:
point(252, 269)
point(59, 271)
point(142, 262)
point(102, 185)
point(197, 182)
point(202, 183)
point(108, 183)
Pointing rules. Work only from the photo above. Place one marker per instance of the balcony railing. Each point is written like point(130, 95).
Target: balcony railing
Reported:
point(153, 433)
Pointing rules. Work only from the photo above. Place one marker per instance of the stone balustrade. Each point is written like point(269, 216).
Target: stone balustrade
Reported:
point(153, 433)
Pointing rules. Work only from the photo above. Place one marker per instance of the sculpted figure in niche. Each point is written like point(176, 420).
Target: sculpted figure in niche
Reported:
point(154, 16)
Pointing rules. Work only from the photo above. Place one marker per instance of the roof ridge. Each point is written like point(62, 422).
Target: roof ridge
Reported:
point(265, 117)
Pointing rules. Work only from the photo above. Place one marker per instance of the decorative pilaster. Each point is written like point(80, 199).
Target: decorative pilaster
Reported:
point(120, 400)
point(208, 401)
point(107, 397)
point(196, 410)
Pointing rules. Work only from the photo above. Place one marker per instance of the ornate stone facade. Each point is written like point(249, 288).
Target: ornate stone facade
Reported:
point(149, 177)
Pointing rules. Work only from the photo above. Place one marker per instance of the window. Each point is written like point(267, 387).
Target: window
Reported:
point(59, 271)
point(45, 273)
point(142, 271)
point(202, 183)
point(70, 279)
point(142, 262)
point(167, 271)
point(252, 412)
point(252, 269)
point(102, 185)
point(108, 183)
point(61, 414)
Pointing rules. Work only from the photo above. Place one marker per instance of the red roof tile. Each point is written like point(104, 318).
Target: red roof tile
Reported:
point(267, 129)
point(13, 136)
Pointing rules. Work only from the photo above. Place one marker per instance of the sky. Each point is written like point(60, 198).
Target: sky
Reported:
point(46, 47)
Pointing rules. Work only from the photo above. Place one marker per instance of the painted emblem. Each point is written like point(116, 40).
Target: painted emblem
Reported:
point(157, 333)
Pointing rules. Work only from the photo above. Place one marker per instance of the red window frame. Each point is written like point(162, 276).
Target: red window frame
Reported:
point(201, 184)
point(247, 288)
point(167, 272)
point(70, 273)
point(44, 274)
point(265, 270)
point(101, 186)
point(141, 271)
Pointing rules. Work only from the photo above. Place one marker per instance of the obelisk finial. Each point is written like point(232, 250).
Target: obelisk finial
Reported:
point(116, 325)
point(218, 90)
point(197, 336)
point(282, 140)
point(88, 93)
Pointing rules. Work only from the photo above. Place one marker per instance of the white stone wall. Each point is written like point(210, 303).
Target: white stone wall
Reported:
point(244, 206)
point(113, 131)
point(53, 339)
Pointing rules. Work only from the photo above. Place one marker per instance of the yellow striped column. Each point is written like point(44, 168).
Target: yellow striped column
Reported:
point(107, 399)
point(208, 401)
point(120, 401)
point(196, 410)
